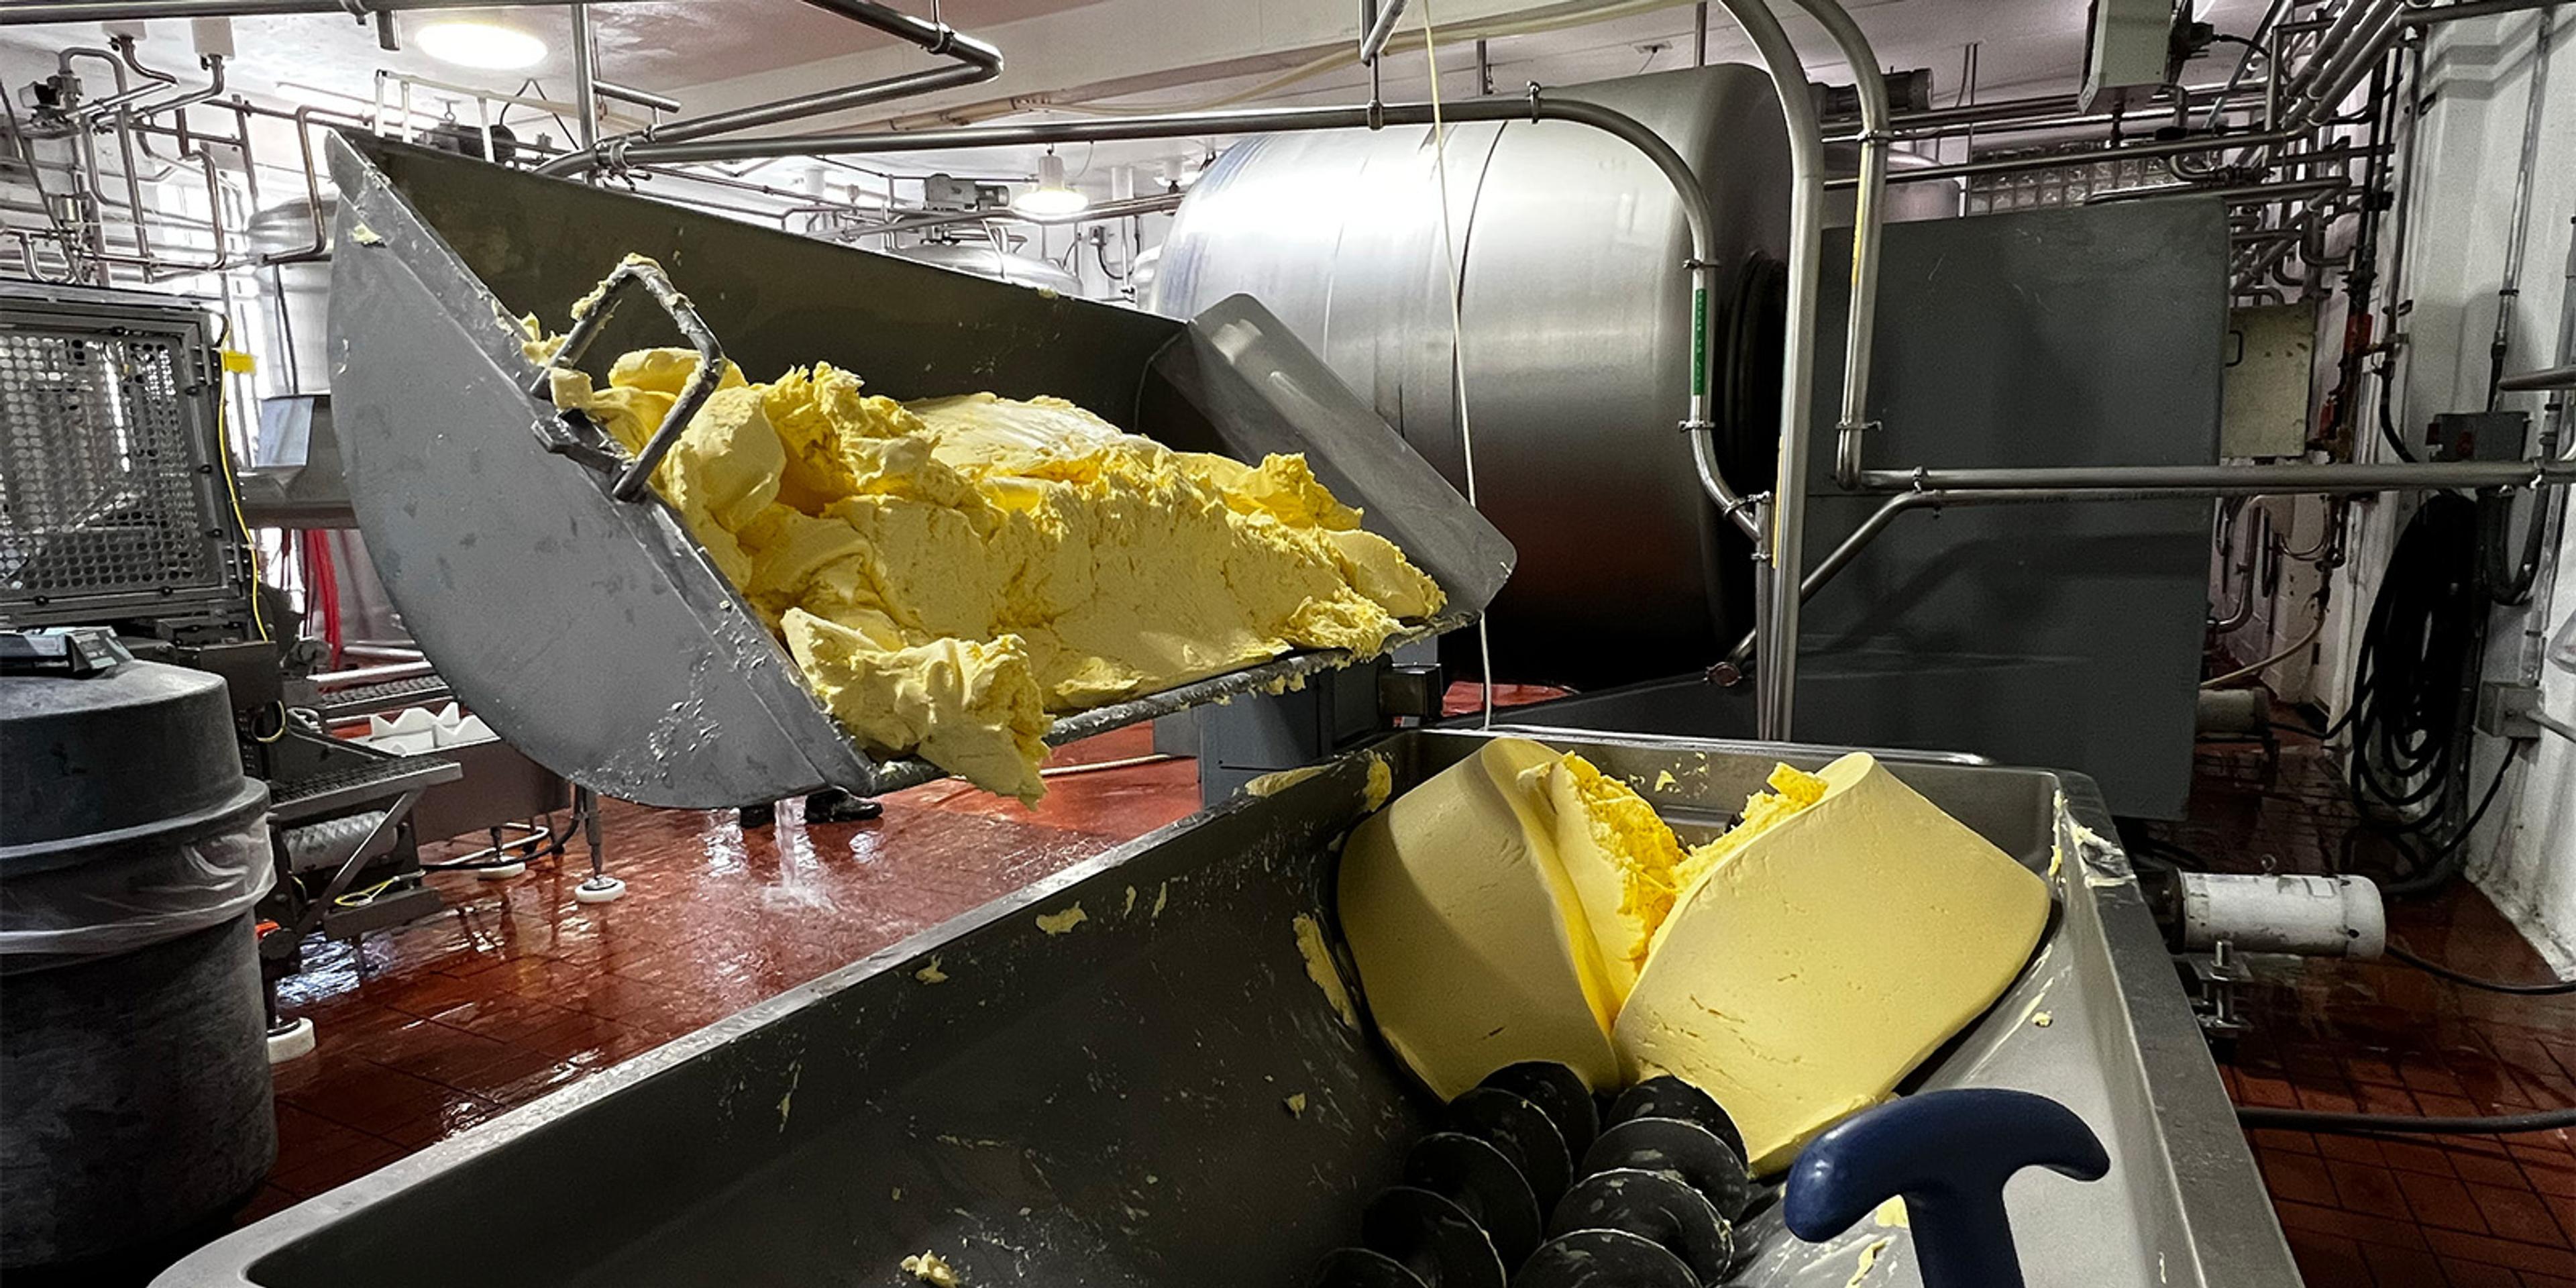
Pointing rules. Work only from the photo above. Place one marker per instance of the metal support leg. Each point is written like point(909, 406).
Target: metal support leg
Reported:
point(601, 887)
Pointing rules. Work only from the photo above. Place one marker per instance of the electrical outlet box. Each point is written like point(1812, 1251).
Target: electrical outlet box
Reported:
point(2128, 51)
point(2504, 709)
point(2478, 435)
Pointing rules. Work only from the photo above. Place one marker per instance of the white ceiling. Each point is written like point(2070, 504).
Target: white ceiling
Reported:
point(673, 46)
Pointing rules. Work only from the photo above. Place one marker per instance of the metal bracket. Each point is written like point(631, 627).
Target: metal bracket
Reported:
point(311, 915)
point(2219, 975)
point(632, 484)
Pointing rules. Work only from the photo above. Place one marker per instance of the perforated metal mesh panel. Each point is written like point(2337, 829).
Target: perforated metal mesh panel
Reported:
point(108, 506)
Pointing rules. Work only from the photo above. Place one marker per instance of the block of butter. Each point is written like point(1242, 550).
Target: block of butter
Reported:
point(1472, 946)
point(1844, 931)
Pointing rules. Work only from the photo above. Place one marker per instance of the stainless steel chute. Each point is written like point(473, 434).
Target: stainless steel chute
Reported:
point(593, 633)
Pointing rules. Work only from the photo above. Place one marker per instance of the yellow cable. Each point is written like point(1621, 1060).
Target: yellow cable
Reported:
point(232, 489)
point(250, 544)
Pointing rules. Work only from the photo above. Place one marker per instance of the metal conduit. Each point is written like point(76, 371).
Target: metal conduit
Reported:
point(2146, 483)
point(1784, 543)
point(2011, 165)
point(37, 11)
point(975, 63)
point(1869, 213)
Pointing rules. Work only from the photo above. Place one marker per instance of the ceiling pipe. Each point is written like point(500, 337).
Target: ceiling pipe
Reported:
point(2052, 160)
point(976, 62)
point(40, 11)
point(2419, 15)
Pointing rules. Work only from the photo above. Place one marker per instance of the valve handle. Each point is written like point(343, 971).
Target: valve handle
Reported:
point(1947, 1154)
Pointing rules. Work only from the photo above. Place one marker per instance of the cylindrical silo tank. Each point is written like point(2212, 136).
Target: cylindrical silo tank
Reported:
point(295, 295)
point(1575, 311)
point(133, 1046)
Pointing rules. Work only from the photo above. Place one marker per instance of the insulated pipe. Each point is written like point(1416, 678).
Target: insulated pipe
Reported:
point(1869, 212)
point(2348, 23)
point(2005, 109)
point(1373, 41)
point(2419, 15)
point(1785, 542)
point(2226, 479)
point(585, 81)
point(2334, 72)
point(638, 97)
point(2013, 165)
point(2147, 483)
point(37, 11)
point(2544, 379)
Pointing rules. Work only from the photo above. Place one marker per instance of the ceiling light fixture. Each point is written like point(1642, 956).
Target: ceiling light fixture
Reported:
point(1053, 198)
point(486, 45)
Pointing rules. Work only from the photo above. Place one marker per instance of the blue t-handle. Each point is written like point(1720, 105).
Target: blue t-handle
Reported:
point(1948, 1154)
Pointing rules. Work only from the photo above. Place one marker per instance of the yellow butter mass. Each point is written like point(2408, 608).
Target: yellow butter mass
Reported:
point(1624, 863)
point(947, 573)
point(1523, 905)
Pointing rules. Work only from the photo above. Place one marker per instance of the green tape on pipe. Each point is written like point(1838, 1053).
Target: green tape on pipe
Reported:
point(1699, 339)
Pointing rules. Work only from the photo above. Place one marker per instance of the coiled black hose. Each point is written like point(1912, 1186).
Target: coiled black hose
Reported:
point(2419, 657)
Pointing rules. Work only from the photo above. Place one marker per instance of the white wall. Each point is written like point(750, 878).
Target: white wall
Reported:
point(2479, 72)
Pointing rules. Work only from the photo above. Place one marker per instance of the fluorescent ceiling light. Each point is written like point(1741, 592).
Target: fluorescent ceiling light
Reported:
point(469, 43)
point(1053, 198)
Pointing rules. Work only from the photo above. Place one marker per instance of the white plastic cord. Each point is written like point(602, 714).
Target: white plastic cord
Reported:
point(1457, 340)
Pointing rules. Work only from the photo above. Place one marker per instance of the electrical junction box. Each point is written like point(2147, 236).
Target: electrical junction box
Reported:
point(2128, 51)
point(2264, 398)
point(2478, 435)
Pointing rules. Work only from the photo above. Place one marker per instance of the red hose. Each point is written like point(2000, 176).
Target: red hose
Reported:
point(322, 588)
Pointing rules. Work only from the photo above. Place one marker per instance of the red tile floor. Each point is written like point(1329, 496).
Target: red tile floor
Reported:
point(519, 990)
point(2379, 1037)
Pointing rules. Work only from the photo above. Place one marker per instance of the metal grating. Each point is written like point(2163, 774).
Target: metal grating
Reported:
point(108, 500)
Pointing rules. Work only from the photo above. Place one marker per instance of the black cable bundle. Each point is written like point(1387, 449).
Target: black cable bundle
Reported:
point(2419, 661)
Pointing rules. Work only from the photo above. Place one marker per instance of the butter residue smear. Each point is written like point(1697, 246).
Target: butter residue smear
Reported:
point(949, 572)
point(1522, 905)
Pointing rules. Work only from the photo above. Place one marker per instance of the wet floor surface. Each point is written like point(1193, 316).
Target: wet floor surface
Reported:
point(518, 989)
point(2380, 1037)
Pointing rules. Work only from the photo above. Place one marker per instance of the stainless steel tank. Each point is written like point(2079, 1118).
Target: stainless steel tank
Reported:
point(1576, 353)
point(993, 262)
point(295, 297)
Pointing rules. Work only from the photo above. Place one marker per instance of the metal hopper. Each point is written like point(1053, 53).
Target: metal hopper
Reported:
point(591, 631)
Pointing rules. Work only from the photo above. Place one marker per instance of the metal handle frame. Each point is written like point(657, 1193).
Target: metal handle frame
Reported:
point(637, 473)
